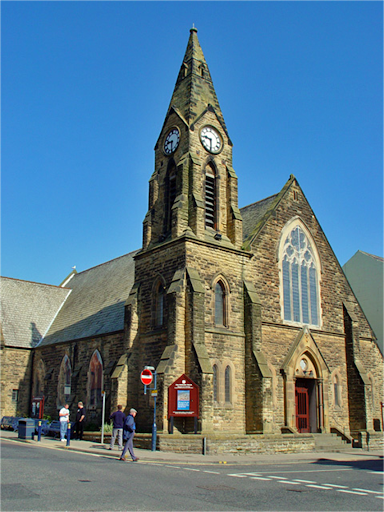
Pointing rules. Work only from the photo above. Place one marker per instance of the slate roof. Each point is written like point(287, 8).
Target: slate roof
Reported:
point(27, 309)
point(96, 304)
point(253, 213)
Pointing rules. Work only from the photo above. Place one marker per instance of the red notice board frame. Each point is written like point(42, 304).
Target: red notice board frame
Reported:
point(183, 399)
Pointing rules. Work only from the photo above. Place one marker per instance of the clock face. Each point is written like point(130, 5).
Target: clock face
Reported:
point(211, 139)
point(172, 141)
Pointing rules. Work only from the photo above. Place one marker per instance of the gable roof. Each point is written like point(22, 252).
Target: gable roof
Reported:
point(96, 304)
point(27, 310)
point(256, 214)
point(253, 213)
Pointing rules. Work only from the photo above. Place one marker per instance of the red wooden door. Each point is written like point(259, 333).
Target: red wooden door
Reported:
point(302, 410)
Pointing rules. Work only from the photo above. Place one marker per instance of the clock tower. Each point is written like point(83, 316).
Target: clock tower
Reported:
point(184, 310)
point(193, 190)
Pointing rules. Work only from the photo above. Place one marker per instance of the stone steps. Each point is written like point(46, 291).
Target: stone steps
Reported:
point(330, 443)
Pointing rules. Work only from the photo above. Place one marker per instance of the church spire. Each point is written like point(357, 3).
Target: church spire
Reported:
point(193, 190)
point(194, 92)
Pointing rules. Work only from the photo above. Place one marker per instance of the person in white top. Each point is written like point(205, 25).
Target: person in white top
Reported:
point(64, 418)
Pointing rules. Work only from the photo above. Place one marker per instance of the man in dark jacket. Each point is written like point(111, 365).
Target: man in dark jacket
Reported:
point(79, 421)
point(129, 432)
point(118, 418)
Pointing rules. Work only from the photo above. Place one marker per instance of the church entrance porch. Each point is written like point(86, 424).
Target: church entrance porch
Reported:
point(305, 386)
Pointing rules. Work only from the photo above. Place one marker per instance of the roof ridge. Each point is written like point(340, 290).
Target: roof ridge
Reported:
point(106, 262)
point(373, 255)
point(259, 201)
point(35, 282)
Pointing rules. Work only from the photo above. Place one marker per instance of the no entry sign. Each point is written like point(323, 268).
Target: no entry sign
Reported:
point(146, 377)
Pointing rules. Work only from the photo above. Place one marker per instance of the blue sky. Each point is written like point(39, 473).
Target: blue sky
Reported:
point(86, 86)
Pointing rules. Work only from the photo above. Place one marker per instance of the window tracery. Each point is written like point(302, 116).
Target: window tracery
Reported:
point(300, 276)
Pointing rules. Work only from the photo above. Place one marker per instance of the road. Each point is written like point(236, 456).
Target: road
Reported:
point(44, 479)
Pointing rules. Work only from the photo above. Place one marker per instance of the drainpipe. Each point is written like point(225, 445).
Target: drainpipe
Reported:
point(321, 405)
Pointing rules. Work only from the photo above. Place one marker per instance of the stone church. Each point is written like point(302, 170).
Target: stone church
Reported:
point(250, 304)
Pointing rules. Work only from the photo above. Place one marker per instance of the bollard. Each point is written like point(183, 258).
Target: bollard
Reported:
point(68, 434)
point(39, 431)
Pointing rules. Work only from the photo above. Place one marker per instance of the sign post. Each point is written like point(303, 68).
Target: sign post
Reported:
point(102, 418)
point(147, 375)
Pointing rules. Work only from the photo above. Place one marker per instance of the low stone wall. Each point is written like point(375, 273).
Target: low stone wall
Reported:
point(217, 444)
point(241, 445)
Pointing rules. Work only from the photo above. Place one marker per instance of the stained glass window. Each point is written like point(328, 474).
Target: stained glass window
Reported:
point(95, 378)
point(215, 383)
point(300, 288)
point(227, 382)
point(220, 313)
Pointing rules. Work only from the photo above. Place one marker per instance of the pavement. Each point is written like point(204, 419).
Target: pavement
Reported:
point(91, 447)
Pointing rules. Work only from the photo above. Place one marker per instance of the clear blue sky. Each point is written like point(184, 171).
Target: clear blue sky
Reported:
point(86, 87)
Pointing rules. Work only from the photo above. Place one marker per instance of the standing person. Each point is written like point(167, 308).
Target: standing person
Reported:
point(129, 432)
point(64, 418)
point(118, 418)
point(80, 420)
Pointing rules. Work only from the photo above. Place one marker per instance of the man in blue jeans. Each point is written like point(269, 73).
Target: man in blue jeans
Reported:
point(128, 434)
point(64, 418)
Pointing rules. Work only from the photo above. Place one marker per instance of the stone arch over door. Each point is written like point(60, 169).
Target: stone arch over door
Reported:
point(306, 376)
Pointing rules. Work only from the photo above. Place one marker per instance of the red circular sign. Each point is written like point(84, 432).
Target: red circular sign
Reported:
point(146, 377)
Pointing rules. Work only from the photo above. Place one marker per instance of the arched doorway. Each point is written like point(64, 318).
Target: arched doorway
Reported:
point(305, 386)
point(306, 396)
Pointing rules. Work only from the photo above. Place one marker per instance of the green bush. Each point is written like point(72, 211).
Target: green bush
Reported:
point(107, 428)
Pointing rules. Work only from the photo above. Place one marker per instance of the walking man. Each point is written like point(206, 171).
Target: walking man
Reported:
point(118, 418)
point(64, 418)
point(129, 432)
point(80, 420)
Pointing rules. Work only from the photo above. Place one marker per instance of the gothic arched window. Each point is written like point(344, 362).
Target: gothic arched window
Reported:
point(64, 381)
point(220, 304)
point(210, 197)
point(300, 278)
point(159, 305)
point(228, 384)
point(215, 383)
point(95, 379)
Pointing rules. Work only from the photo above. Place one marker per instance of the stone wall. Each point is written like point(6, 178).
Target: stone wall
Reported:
point(16, 367)
point(79, 352)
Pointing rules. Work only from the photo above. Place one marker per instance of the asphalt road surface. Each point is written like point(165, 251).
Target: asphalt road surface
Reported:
point(44, 479)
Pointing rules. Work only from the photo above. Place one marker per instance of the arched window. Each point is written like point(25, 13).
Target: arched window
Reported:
point(228, 384)
point(336, 391)
point(220, 304)
point(95, 379)
point(299, 278)
point(159, 305)
point(64, 381)
point(215, 384)
point(210, 197)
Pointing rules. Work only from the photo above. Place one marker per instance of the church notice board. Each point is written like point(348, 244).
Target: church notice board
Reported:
point(183, 398)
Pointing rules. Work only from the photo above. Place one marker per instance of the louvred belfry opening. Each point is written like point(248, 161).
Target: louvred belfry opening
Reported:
point(210, 199)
